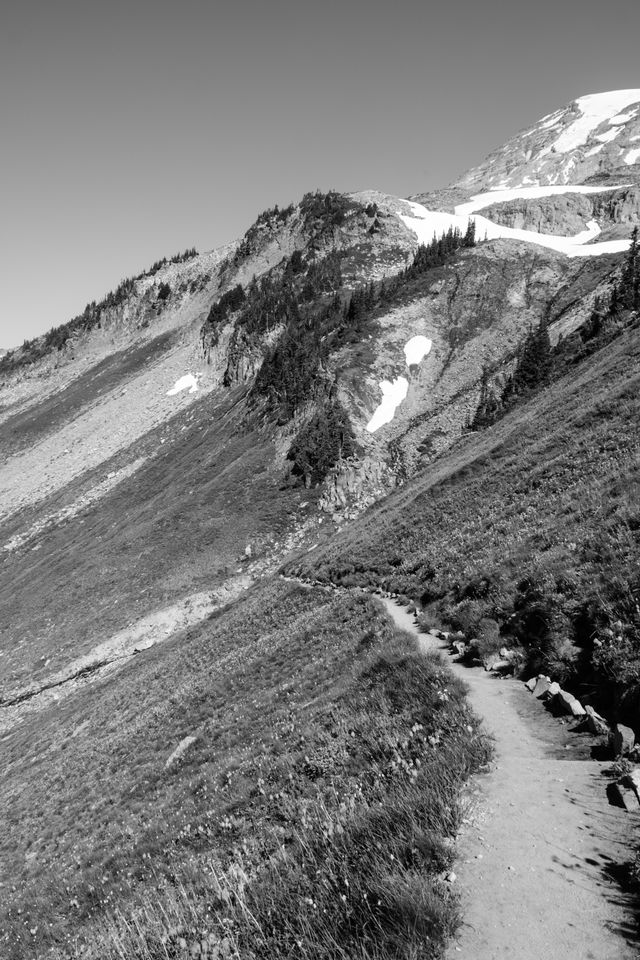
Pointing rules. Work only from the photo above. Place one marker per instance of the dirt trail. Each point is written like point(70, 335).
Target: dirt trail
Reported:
point(539, 851)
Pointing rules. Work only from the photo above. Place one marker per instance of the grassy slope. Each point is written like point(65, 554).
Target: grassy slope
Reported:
point(175, 527)
point(314, 807)
point(533, 523)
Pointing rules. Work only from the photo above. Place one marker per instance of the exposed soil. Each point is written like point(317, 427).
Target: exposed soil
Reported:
point(541, 850)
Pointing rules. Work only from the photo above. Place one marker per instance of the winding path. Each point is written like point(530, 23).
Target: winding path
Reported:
point(539, 850)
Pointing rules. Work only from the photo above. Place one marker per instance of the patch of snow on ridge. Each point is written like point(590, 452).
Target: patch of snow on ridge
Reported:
point(482, 200)
point(392, 396)
point(594, 109)
point(416, 349)
point(609, 135)
point(623, 117)
point(429, 222)
point(632, 157)
point(188, 382)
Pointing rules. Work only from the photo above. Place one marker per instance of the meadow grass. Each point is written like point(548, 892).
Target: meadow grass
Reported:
point(533, 523)
point(315, 815)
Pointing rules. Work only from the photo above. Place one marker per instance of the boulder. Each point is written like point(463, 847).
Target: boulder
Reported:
point(624, 797)
point(554, 690)
point(501, 665)
point(623, 739)
point(530, 684)
point(595, 723)
point(565, 701)
point(541, 687)
point(633, 781)
point(577, 709)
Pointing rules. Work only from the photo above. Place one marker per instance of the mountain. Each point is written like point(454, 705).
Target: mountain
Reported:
point(433, 396)
point(595, 138)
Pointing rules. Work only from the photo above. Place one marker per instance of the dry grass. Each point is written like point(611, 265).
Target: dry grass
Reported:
point(325, 778)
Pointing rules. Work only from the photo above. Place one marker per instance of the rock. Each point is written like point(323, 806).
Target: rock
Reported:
point(623, 739)
point(554, 690)
point(565, 700)
point(633, 780)
point(530, 684)
point(501, 665)
point(595, 723)
point(624, 797)
point(180, 751)
point(411, 609)
point(577, 709)
point(541, 687)
point(459, 647)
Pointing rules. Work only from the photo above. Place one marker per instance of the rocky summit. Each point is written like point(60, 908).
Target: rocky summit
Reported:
point(432, 397)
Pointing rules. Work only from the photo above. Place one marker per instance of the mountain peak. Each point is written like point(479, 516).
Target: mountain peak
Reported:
point(596, 136)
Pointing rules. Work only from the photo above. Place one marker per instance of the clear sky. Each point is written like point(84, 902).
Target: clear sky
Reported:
point(131, 130)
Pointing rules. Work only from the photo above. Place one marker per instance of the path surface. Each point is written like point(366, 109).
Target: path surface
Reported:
point(540, 840)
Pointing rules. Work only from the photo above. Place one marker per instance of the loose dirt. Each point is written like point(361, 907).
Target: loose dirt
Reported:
point(541, 847)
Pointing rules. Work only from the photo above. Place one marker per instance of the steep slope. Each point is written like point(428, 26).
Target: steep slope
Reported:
point(531, 524)
point(594, 136)
point(163, 454)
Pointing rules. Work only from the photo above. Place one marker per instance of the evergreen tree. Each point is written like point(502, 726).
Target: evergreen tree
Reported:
point(534, 363)
point(325, 440)
point(629, 290)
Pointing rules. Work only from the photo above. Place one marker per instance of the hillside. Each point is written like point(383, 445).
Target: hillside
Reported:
point(433, 397)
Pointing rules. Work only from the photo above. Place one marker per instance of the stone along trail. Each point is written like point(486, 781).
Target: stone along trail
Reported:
point(539, 851)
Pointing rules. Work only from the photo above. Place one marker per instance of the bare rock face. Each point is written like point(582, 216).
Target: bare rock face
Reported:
point(354, 485)
point(566, 214)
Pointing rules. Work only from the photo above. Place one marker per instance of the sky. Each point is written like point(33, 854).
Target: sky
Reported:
point(130, 131)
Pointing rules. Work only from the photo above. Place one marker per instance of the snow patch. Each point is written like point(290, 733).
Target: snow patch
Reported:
point(188, 382)
point(551, 120)
point(392, 396)
point(481, 200)
point(594, 109)
point(427, 223)
point(632, 157)
point(609, 135)
point(623, 117)
point(416, 349)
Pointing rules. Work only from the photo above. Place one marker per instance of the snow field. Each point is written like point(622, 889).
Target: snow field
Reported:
point(427, 224)
point(417, 349)
point(596, 108)
point(393, 393)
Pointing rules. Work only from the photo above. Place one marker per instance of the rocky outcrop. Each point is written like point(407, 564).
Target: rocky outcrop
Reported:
point(566, 214)
point(354, 485)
